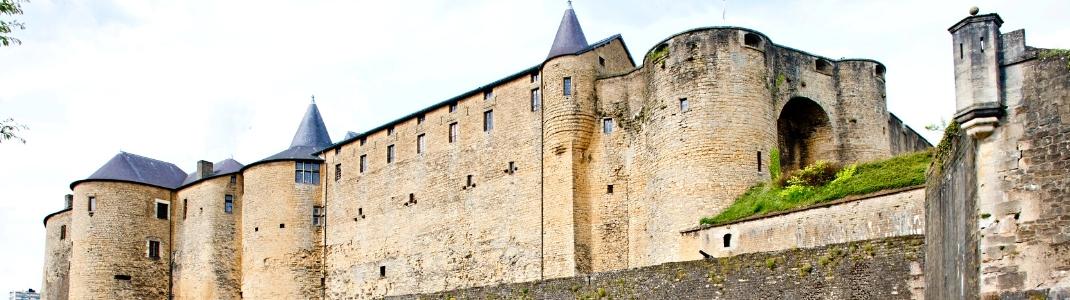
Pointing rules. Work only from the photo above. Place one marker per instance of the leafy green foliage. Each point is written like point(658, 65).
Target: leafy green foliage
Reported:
point(817, 187)
point(1056, 53)
point(658, 54)
point(774, 164)
point(9, 8)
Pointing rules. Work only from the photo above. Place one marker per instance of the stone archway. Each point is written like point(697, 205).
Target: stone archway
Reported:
point(804, 134)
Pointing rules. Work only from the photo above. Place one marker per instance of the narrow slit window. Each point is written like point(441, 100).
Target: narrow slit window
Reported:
point(453, 132)
point(567, 86)
point(962, 51)
point(420, 144)
point(982, 44)
point(337, 172)
point(153, 251)
point(469, 181)
point(536, 100)
point(390, 154)
point(607, 125)
point(453, 107)
point(228, 204)
point(684, 104)
point(419, 120)
point(63, 232)
point(363, 163)
point(382, 271)
point(390, 130)
point(601, 61)
point(727, 240)
point(91, 204)
point(185, 208)
point(488, 94)
point(759, 161)
point(488, 120)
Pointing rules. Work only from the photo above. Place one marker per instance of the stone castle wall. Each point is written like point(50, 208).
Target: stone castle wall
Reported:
point(875, 216)
point(109, 257)
point(208, 240)
point(56, 281)
point(281, 255)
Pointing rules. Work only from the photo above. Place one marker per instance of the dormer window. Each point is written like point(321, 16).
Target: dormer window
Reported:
point(488, 94)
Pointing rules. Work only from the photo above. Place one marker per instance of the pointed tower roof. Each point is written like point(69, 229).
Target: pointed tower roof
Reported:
point(311, 136)
point(130, 167)
point(570, 38)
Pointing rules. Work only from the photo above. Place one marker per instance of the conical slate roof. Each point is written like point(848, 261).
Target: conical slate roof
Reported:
point(569, 37)
point(227, 166)
point(311, 136)
point(135, 168)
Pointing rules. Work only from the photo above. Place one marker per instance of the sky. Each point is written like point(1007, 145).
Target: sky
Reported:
point(183, 81)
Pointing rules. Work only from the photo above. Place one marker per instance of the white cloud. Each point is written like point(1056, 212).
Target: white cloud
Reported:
point(188, 80)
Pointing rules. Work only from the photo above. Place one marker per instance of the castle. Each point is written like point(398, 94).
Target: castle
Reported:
point(584, 163)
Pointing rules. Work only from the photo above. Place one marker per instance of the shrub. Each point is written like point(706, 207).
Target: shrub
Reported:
point(817, 174)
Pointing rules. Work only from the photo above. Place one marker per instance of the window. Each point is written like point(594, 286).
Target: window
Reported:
point(684, 104)
point(390, 154)
point(420, 119)
point(567, 86)
point(228, 204)
point(122, 277)
point(363, 163)
point(601, 61)
point(822, 65)
point(759, 161)
point(337, 172)
point(453, 107)
point(453, 132)
point(536, 100)
point(982, 44)
point(233, 179)
point(727, 240)
point(470, 183)
point(154, 249)
point(879, 70)
point(317, 216)
point(362, 140)
point(962, 51)
point(488, 94)
point(163, 209)
point(752, 40)
point(63, 232)
point(92, 204)
point(412, 199)
point(511, 168)
point(282, 225)
point(390, 130)
point(420, 145)
point(607, 125)
point(185, 208)
point(534, 77)
point(337, 150)
point(307, 172)
point(488, 120)
point(609, 189)
point(382, 271)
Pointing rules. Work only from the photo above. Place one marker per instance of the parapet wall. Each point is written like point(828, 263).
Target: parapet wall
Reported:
point(887, 268)
point(879, 215)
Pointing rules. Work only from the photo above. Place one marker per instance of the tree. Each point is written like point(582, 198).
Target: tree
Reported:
point(9, 130)
point(9, 8)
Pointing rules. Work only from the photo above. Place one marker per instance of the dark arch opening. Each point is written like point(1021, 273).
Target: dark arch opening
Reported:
point(879, 70)
point(822, 65)
point(804, 134)
point(752, 40)
point(727, 240)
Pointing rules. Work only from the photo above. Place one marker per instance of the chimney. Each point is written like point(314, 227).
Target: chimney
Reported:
point(204, 169)
point(68, 201)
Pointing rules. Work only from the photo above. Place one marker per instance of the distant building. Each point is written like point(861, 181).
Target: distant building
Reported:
point(29, 294)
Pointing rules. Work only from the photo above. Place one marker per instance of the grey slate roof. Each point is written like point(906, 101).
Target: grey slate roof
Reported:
point(570, 38)
point(135, 168)
point(311, 137)
point(224, 167)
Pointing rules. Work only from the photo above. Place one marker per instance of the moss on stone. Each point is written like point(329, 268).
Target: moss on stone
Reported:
point(1056, 54)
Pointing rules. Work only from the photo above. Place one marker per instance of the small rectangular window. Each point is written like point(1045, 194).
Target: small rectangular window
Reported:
point(363, 163)
point(488, 94)
point(453, 132)
point(684, 104)
point(185, 208)
point(453, 107)
point(536, 100)
point(154, 250)
point(228, 204)
point(469, 180)
point(607, 125)
point(162, 210)
point(390, 130)
point(91, 204)
point(567, 86)
point(420, 145)
point(317, 216)
point(362, 140)
point(337, 172)
point(534, 77)
point(488, 120)
point(962, 51)
point(337, 150)
point(759, 161)
point(609, 189)
point(420, 119)
point(601, 61)
point(390, 154)
point(63, 232)
point(233, 179)
point(382, 271)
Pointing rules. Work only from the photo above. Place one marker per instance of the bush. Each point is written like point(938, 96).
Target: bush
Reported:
point(817, 174)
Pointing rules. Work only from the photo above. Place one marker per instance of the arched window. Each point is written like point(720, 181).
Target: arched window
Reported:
point(879, 71)
point(822, 65)
point(727, 240)
point(752, 40)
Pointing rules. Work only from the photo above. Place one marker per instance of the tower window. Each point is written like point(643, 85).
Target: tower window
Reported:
point(759, 161)
point(185, 208)
point(91, 205)
point(962, 51)
point(233, 179)
point(601, 61)
point(337, 150)
point(307, 172)
point(469, 181)
point(337, 172)
point(879, 70)
point(822, 65)
point(390, 154)
point(362, 140)
point(282, 225)
point(62, 232)
point(982, 44)
point(153, 250)
point(535, 77)
point(453, 107)
point(420, 119)
point(420, 145)
point(390, 130)
point(363, 163)
point(453, 132)
point(382, 271)
point(567, 86)
point(536, 100)
point(752, 40)
point(727, 240)
point(488, 94)
point(684, 104)
point(607, 125)
point(163, 209)
point(228, 204)
point(317, 216)
point(609, 189)
point(488, 120)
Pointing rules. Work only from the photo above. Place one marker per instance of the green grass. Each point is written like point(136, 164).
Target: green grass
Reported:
point(896, 172)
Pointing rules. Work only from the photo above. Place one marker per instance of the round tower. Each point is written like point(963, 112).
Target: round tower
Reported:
point(207, 254)
point(121, 231)
point(863, 114)
point(55, 283)
point(281, 253)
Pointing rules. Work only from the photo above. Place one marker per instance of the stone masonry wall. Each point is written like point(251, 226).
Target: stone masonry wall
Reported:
point(281, 256)
point(207, 256)
point(112, 241)
point(887, 268)
point(56, 281)
point(880, 215)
